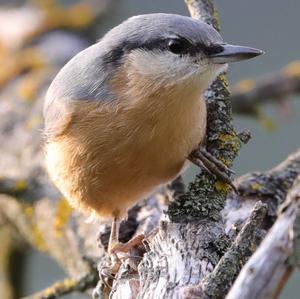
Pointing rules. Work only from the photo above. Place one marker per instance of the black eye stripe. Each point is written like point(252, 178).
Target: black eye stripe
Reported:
point(209, 50)
point(186, 48)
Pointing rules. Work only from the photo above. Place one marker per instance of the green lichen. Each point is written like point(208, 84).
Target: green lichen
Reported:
point(256, 186)
point(222, 187)
point(230, 141)
point(59, 288)
point(225, 82)
point(200, 201)
point(19, 186)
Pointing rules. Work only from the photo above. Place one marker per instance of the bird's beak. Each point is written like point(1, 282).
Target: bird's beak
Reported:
point(232, 53)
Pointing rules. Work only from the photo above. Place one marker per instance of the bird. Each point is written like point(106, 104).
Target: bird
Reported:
point(122, 116)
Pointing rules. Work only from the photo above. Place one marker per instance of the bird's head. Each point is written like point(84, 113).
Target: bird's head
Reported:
point(166, 49)
point(144, 55)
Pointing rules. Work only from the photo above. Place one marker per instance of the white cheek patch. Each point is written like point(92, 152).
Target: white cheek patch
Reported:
point(165, 68)
point(161, 65)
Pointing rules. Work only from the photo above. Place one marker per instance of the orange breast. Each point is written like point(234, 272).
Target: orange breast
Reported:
point(114, 155)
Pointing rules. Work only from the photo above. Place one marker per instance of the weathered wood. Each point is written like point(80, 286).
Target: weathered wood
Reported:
point(262, 275)
point(218, 283)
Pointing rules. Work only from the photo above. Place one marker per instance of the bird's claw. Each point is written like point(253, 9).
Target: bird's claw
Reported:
point(204, 159)
point(126, 247)
point(108, 271)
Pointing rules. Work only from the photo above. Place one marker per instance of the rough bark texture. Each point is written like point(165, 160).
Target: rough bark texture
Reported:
point(220, 280)
point(270, 263)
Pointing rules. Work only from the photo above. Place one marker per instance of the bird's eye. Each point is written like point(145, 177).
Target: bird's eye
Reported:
point(177, 46)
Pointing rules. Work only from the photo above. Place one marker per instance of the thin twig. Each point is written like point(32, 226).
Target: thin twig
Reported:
point(249, 94)
point(67, 286)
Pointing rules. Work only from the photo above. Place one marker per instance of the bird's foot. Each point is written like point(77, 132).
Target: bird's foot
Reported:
point(204, 159)
point(128, 254)
point(119, 247)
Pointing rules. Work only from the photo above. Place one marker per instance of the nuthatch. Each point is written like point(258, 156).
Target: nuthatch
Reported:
point(122, 116)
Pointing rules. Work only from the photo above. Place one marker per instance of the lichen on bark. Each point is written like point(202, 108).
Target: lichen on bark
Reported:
point(204, 197)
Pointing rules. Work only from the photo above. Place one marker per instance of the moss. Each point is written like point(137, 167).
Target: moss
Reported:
point(225, 161)
point(216, 17)
point(63, 213)
point(200, 201)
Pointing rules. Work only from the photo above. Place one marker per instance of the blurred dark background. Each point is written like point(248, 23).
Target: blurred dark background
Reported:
point(269, 25)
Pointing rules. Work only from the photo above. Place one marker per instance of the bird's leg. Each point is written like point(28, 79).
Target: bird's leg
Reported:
point(107, 272)
point(114, 246)
point(114, 234)
point(202, 158)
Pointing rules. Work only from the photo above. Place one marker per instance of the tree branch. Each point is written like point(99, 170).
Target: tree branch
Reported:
point(220, 280)
point(67, 286)
point(269, 264)
point(249, 94)
point(28, 189)
point(270, 187)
